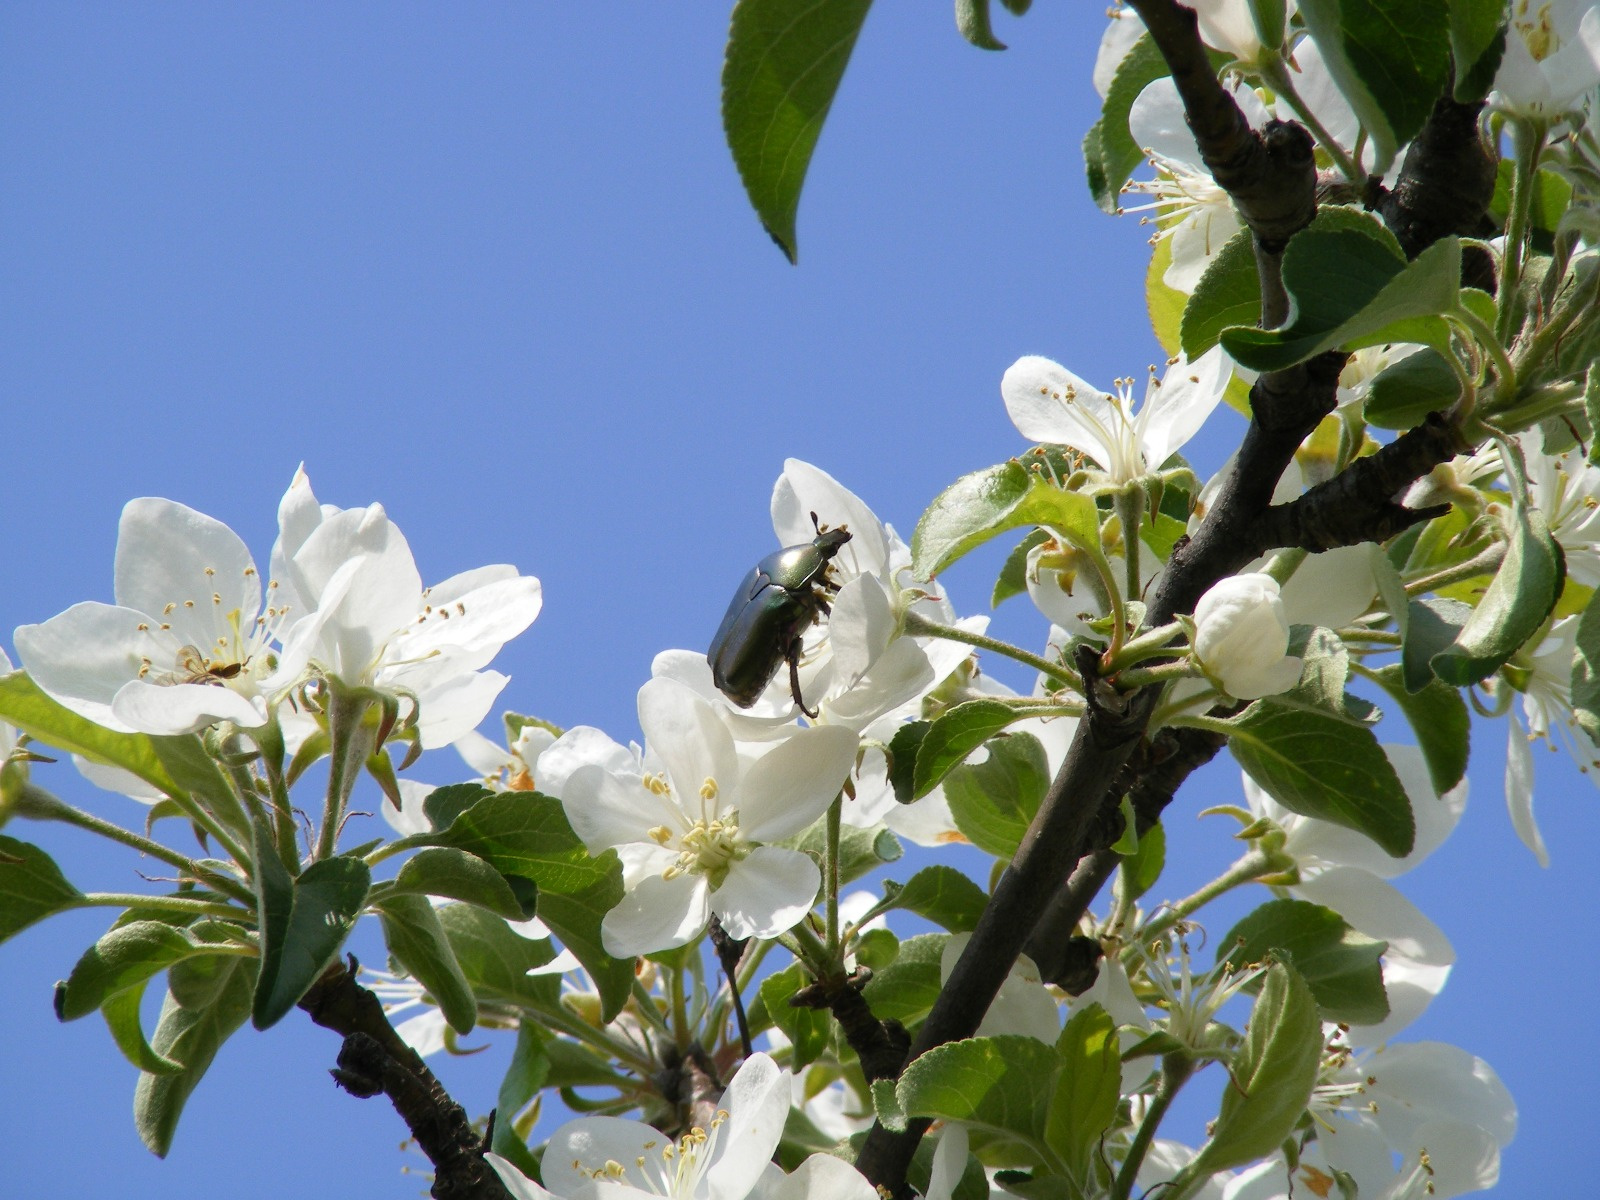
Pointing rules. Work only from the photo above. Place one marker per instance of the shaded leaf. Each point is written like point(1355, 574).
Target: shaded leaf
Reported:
point(993, 802)
point(32, 887)
point(954, 735)
point(418, 944)
point(1441, 722)
point(1513, 608)
point(944, 896)
point(1110, 154)
point(301, 939)
point(457, 875)
point(1342, 966)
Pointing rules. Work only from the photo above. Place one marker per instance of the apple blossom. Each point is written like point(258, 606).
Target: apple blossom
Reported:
point(372, 623)
point(1552, 58)
point(187, 643)
point(693, 827)
point(1241, 638)
point(1048, 403)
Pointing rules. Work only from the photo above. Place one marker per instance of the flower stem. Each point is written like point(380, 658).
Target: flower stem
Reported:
point(1527, 141)
point(1247, 869)
point(42, 805)
point(1129, 504)
point(1473, 567)
point(346, 718)
point(1175, 1072)
point(830, 878)
point(920, 626)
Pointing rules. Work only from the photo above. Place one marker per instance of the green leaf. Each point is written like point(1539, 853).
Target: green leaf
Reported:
point(523, 1080)
point(1440, 720)
point(1003, 1085)
point(978, 506)
point(972, 20)
point(1513, 608)
point(1428, 627)
point(496, 959)
point(190, 1035)
point(1390, 58)
point(575, 918)
point(807, 1028)
point(993, 802)
point(122, 1016)
point(1110, 154)
point(1591, 410)
point(1342, 966)
point(1321, 766)
point(1346, 291)
point(1477, 43)
point(32, 887)
point(860, 850)
point(417, 942)
point(22, 704)
point(903, 750)
point(527, 834)
point(1084, 1103)
point(905, 989)
point(1013, 577)
point(126, 957)
point(444, 804)
point(1585, 673)
point(1272, 1075)
point(783, 66)
point(195, 773)
point(956, 734)
point(457, 875)
point(944, 896)
point(1228, 294)
point(1405, 392)
point(1141, 869)
point(300, 938)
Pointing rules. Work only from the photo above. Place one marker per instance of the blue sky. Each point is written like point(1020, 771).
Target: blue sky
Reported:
point(491, 266)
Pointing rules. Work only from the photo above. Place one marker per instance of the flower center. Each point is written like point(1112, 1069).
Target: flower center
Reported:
point(708, 848)
point(666, 1169)
point(1536, 30)
point(229, 648)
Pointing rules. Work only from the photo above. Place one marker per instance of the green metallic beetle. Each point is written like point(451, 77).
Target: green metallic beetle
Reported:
point(766, 622)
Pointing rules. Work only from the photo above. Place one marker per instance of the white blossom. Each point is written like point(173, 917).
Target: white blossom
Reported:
point(1552, 58)
point(694, 822)
point(1242, 637)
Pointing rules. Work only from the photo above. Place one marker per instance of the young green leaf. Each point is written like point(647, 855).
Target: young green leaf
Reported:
point(1110, 154)
point(1513, 608)
point(23, 705)
point(191, 1035)
point(126, 957)
point(1405, 392)
point(1342, 966)
point(123, 1019)
point(575, 918)
point(993, 802)
point(523, 1080)
point(808, 1029)
point(944, 896)
point(1228, 294)
point(1090, 1084)
point(457, 875)
point(1322, 766)
point(956, 734)
point(495, 959)
point(301, 938)
point(905, 989)
point(1440, 720)
point(32, 887)
point(782, 69)
point(1002, 1085)
point(417, 942)
point(526, 834)
point(1272, 1076)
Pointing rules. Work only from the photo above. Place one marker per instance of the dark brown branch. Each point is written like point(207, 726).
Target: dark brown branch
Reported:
point(1446, 181)
point(1358, 504)
point(375, 1060)
point(880, 1045)
point(1173, 755)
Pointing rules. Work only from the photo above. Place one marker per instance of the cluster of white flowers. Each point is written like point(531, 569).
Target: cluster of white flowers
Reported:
point(197, 637)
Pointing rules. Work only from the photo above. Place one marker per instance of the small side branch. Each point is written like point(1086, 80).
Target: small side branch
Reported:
point(880, 1045)
point(375, 1060)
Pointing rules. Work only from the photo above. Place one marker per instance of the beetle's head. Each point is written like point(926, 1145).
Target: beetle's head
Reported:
point(827, 540)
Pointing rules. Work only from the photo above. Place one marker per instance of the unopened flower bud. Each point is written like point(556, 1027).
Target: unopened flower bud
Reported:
point(1242, 636)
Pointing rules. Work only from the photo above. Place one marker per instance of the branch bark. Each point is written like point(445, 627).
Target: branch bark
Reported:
point(375, 1060)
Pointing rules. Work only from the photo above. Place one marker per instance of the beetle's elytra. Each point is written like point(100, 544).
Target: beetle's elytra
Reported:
point(767, 619)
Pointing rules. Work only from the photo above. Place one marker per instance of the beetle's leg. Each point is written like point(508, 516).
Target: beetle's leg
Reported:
point(792, 653)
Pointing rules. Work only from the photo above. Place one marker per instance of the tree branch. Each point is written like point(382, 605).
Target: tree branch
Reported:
point(375, 1060)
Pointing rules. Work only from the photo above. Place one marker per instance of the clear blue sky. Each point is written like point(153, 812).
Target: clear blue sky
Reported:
point(490, 265)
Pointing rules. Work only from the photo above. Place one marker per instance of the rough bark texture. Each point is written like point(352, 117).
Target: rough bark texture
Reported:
point(374, 1061)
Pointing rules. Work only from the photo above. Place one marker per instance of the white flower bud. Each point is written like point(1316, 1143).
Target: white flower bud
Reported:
point(1241, 635)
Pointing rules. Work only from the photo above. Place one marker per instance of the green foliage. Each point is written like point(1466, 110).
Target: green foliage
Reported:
point(196, 1018)
point(1013, 577)
point(808, 1029)
point(1324, 766)
point(956, 734)
point(496, 960)
point(456, 875)
point(1405, 392)
point(1110, 154)
point(993, 802)
point(972, 19)
point(1477, 43)
point(1390, 58)
point(525, 1077)
point(905, 990)
point(1272, 1075)
point(782, 69)
point(1342, 967)
point(575, 918)
point(32, 887)
point(418, 945)
point(303, 924)
point(944, 896)
point(526, 834)
point(126, 957)
point(1143, 867)
point(1228, 294)
point(1440, 721)
point(1347, 290)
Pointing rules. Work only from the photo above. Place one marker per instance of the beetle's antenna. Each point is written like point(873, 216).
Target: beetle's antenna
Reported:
point(815, 524)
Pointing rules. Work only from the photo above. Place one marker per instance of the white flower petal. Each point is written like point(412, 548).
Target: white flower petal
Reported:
point(82, 657)
point(455, 708)
point(859, 630)
point(183, 707)
point(820, 1177)
point(518, 1184)
point(757, 1102)
point(607, 810)
point(167, 553)
point(657, 914)
point(690, 738)
point(1519, 790)
point(949, 1162)
point(1417, 1083)
point(1048, 403)
point(792, 785)
point(804, 489)
point(1175, 409)
point(1331, 589)
point(769, 892)
point(580, 746)
point(481, 754)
